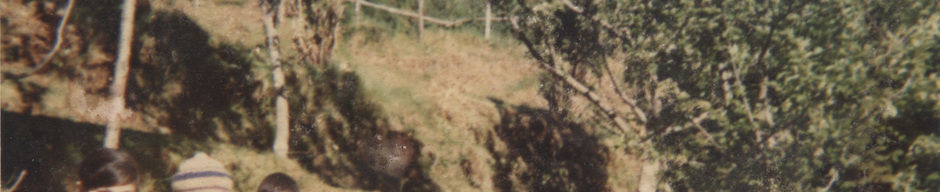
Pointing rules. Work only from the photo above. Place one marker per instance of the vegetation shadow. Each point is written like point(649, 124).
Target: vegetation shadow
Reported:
point(545, 152)
point(178, 79)
point(86, 45)
point(50, 149)
point(332, 121)
point(193, 87)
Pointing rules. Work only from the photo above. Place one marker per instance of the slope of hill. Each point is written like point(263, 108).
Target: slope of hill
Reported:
point(199, 85)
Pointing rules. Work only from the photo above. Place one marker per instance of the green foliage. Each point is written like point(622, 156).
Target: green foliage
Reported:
point(798, 95)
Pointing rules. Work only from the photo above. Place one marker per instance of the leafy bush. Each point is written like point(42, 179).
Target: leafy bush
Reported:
point(754, 95)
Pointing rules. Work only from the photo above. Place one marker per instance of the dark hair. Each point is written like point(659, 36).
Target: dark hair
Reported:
point(106, 168)
point(278, 182)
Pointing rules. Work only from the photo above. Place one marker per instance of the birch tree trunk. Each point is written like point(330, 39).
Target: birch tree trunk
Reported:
point(269, 10)
point(112, 134)
point(649, 174)
point(488, 22)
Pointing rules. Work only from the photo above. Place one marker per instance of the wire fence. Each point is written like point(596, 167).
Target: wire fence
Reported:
point(488, 19)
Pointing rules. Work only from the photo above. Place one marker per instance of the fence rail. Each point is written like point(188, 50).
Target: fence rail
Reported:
point(488, 19)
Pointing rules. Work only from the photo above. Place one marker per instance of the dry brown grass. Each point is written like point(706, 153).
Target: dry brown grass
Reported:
point(438, 89)
point(249, 167)
point(226, 21)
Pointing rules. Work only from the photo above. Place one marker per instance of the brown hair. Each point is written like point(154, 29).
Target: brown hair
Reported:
point(106, 168)
point(278, 182)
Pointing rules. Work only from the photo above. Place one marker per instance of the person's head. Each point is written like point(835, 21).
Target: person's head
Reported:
point(108, 170)
point(278, 182)
point(202, 173)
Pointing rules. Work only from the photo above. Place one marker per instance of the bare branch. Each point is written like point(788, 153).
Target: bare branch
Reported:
point(594, 98)
point(656, 104)
point(904, 88)
point(740, 86)
point(697, 123)
point(58, 38)
point(832, 179)
point(762, 97)
point(572, 6)
point(623, 96)
point(42, 66)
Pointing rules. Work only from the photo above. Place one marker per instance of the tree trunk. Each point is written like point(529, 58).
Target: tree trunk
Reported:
point(420, 19)
point(649, 174)
point(119, 86)
point(282, 134)
point(358, 13)
point(488, 22)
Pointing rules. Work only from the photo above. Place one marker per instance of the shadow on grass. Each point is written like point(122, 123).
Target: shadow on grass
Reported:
point(178, 79)
point(49, 149)
point(86, 45)
point(545, 152)
point(333, 117)
point(201, 90)
point(194, 88)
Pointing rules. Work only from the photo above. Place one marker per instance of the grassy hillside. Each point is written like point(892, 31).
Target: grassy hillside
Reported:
point(199, 83)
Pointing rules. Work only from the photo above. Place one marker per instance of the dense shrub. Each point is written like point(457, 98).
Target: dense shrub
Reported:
point(757, 95)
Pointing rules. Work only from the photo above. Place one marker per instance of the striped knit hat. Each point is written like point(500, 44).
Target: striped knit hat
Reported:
point(201, 173)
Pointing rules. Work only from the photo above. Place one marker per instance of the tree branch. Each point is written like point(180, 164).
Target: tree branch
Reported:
point(697, 123)
point(832, 179)
point(762, 97)
point(58, 37)
point(624, 35)
point(623, 96)
point(42, 66)
point(740, 86)
point(655, 103)
point(557, 72)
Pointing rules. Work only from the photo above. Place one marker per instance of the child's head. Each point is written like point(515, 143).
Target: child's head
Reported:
point(278, 182)
point(202, 173)
point(108, 170)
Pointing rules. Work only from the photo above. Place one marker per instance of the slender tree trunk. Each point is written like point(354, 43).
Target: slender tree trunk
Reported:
point(119, 86)
point(488, 22)
point(420, 19)
point(649, 175)
point(282, 134)
point(358, 13)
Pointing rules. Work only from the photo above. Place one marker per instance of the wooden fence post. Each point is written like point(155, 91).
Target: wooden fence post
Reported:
point(489, 20)
point(420, 19)
point(358, 5)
